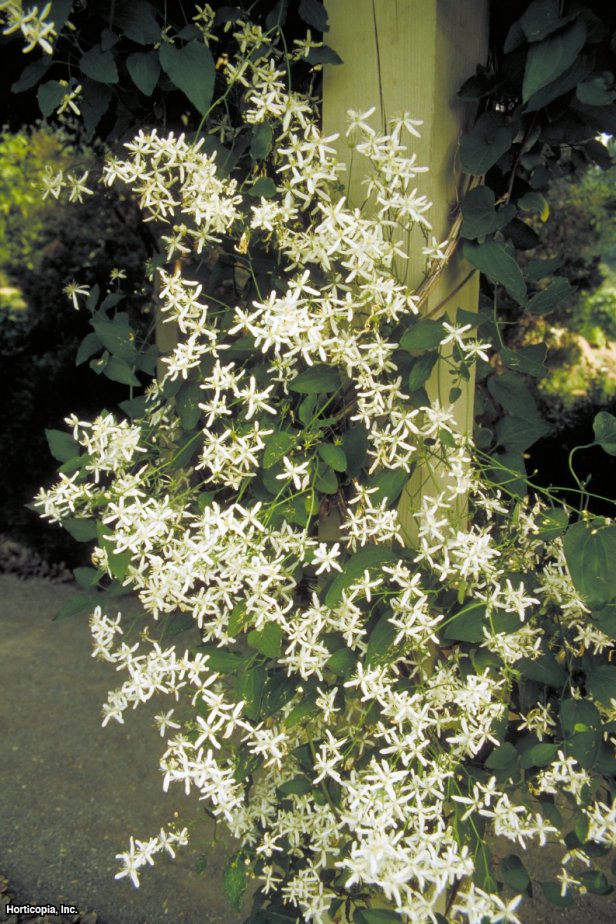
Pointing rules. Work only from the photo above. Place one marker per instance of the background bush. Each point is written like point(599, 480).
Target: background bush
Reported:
point(45, 244)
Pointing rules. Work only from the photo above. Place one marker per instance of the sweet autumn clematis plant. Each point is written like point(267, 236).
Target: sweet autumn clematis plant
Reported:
point(357, 712)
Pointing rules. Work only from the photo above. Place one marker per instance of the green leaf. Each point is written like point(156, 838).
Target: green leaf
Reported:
point(250, 685)
point(556, 292)
point(235, 880)
point(145, 360)
point(578, 713)
point(266, 640)
point(186, 448)
point(326, 480)
point(590, 552)
point(504, 757)
point(264, 187)
point(49, 96)
point(60, 11)
point(355, 445)
point(515, 38)
point(144, 69)
point(479, 213)
point(483, 437)
point(581, 724)
point(279, 689)
point(534, 202)
point(521, 235)
point(594, 881)
point(509, 472)
point(389, 484)
point(277, 16)
point(137, 19)
point(494, 261)
point(187, 402)
point(92, 299)
point(118, 562)
point(517, 434)
point(306, 410)
point(604, 427)
point(552, 523)
point(133, 407)
point(605, 619)
point(99, 65)
point(545, 670)
point(421, 370)
point(108, 39)
point(540, 268)
point(301, 711)
point(192, 70)
point(94, 104)
point(318, 380)
point(298, 786)
point(314, 14)
point(380, 641)
point(486, 142)
point(62, 445)
point(511, 393)
point(276, 447)
point(528, 360)
point(370, 558)
point(31, 74)
point(342, 662)
point(552, 891)
point(83, 529)
point(334, 456)
point(118, 370)
point(86, 577)
point(600, 681)
point(467, 624)
point(540, 19)
point(80, 603)
point(115, 335)
point(221, 661)
point(568, 80)
point(323, 55)
point(540, 755)
point(261, 142)
point(375, 916)
point(549, 58)
point(479, 85)
point(424, 335)
point(597, 91)
point(514, 873)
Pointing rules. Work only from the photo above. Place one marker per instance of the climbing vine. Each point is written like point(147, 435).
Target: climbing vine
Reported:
point(377, 716)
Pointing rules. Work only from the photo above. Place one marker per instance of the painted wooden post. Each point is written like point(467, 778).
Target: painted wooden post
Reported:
point(412, 56)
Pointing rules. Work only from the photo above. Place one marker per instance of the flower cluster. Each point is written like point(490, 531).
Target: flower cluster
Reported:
point(32, 22)
point(356, 665)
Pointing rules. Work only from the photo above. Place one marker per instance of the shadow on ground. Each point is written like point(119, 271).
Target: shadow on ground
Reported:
point(72, 792)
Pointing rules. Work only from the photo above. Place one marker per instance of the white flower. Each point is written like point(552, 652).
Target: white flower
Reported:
point(73, 289)
point(326, 557)
point(297, 472)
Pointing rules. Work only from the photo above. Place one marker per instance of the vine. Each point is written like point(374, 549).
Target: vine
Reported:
point(367, 717)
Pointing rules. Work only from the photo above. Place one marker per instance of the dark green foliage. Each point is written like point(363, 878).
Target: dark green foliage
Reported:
point(43, 246)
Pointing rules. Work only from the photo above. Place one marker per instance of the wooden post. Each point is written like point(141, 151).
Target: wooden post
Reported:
point(413, 56)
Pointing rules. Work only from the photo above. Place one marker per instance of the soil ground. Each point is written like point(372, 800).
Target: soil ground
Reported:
point(71, 792)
